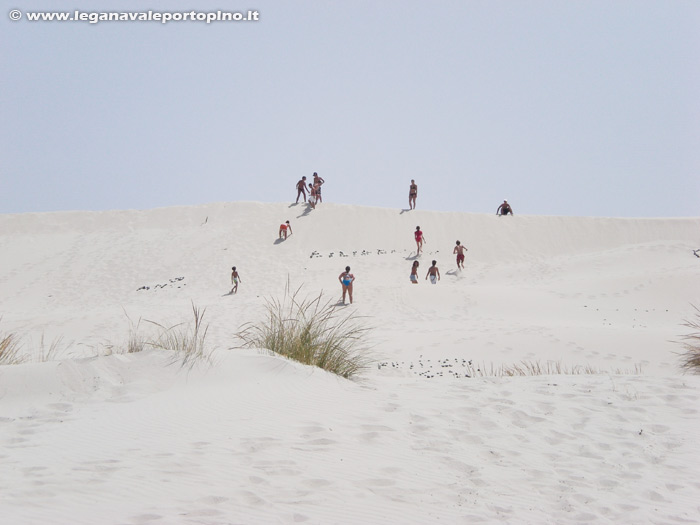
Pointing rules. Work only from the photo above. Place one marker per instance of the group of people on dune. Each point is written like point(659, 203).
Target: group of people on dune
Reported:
point(346, 278)
point(314, 190)
point(315, 194)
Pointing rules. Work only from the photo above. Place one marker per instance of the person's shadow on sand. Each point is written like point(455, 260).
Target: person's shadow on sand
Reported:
point(279, 240)
point(411, 257)
point(305, 212)
point(404, 211)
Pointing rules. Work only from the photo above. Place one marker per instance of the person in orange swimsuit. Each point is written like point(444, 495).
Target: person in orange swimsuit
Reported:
point(283, 229)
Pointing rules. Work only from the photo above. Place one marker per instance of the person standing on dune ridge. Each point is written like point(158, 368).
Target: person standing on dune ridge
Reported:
point(412, 194)
point(301, 189)
point(318, 181)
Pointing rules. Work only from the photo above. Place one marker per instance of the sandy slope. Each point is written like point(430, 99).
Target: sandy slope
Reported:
point(92, 438)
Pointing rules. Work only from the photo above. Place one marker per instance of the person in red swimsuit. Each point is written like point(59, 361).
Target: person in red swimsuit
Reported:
point(420, 238)
point(459, 250)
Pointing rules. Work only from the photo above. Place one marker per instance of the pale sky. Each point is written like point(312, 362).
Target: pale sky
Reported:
point(588, 108)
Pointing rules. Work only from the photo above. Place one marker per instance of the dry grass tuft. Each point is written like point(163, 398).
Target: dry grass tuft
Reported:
point(690, 358)
point(187, 341)
point(536, 368)
point(312, 332)
point(48, 353)
point(9, 350)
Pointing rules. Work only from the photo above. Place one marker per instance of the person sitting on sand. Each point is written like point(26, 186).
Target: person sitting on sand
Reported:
point(412, 194)
point(419, 240)
point(459, 250)
point(346, 279)
point(312, 196)
point(301, 189)
point(434, 273)
point(283, 229)
point(504, 209)
point(414, 272)
point(235, 279)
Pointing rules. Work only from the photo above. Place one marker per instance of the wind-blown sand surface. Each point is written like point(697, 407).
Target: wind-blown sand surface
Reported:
point(98, 436)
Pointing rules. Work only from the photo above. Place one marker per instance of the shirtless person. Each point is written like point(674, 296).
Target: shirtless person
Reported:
point(459, 250)
point(504, 209)
point(283, 229)
point(419, 240)
point(235, 279)
point(412, 194)
point(346, 279)
point(434, 273)
point(301, 189)
point(317, 184)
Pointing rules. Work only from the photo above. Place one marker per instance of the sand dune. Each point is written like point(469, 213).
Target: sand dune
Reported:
point(134, 438)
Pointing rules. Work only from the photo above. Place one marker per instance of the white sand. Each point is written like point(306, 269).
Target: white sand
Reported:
point(132, 438)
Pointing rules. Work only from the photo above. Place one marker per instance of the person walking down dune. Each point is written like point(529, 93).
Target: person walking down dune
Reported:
point(459, 250)
point(301, 189)
point(346, 279)
point(420, 238)
point(412, 194)
point(504, 209)
point(434, 273)
point(414, 272)
point(318, 181)
point(283, 230)
point(235, 279)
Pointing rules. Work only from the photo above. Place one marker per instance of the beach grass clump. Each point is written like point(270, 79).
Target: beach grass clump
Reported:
point(537, 368)
point(136, 341)
point(311, 331)
point(690, 358)
point(48, 352)
point(188, 341)
point(10, 350)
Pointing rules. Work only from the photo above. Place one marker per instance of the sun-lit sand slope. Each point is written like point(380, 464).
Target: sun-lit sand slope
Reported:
point(90, 438)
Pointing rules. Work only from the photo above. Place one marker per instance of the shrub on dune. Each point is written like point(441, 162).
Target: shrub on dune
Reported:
point(312, 332)
point(690, 359)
